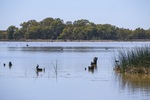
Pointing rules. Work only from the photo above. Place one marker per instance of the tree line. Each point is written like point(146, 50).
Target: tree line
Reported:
point(83, 29)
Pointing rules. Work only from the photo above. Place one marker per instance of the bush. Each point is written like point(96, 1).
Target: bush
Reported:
point(136, 60)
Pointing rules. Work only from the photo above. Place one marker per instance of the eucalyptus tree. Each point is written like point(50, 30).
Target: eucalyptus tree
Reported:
point(139, 33)
point(10, 31)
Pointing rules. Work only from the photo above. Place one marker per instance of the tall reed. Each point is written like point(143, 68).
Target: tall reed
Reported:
point(56, 68)
point(136, 58)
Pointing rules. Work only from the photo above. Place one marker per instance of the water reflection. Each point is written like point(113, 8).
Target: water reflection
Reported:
point(38, 73)
point(135, 83)
point(61, 49)
point(73, 58)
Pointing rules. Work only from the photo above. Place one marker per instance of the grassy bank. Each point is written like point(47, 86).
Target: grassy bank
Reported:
point(133, 61)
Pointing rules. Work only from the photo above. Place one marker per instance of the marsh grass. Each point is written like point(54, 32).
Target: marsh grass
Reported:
point(56, 68)
point(136, 60)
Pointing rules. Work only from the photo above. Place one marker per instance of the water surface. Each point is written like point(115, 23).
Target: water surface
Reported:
point(72, 81)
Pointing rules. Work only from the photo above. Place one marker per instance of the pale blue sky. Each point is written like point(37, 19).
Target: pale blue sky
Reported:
point(122, 13)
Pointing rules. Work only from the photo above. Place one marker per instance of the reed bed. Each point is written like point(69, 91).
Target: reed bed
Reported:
point(134, 61)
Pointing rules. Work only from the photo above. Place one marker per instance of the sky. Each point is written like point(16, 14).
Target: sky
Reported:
point(129, 14)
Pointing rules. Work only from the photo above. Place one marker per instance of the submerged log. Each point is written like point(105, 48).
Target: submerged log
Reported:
point(93, 65)
point(95, 60)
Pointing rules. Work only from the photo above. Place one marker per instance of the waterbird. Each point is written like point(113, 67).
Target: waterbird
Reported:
point(116, 61)
point(39, 69)
point(10, 64)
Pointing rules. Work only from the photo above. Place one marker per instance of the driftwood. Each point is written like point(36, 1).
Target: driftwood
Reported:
point(93, 65)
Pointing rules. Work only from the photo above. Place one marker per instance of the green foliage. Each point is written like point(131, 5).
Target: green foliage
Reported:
point(3, 35)
point(139, 57)
point(18, 34)
point(139, 33)
point(67, 33)
point(10, 31)
point(50, 28)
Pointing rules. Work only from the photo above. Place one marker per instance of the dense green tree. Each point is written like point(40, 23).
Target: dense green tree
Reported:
point(139, 33)
point(19, 34)
point(57, 27)
point(69, 23)
point(30, 23)
point(3, 35)
point(90, 32)
point(107, 31)
point(34, 32)
point(47, 22)
point(148, 33)
point(80, 23)
point(50, 28)
point(78, 33)
point(67, 33)
point(123, 34)
point(10, 31)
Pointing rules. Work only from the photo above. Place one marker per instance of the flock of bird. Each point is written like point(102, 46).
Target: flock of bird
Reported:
point(9, 64)
point(37, 67)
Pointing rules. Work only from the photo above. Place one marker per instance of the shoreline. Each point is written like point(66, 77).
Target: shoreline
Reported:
point(49, 40)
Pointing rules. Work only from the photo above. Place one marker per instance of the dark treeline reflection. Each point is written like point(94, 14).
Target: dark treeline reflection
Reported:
point(60, 49)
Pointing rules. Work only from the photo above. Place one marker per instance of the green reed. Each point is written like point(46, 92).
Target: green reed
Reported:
point(137, 57)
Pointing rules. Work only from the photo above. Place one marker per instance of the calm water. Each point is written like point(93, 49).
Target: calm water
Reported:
point(72, 81)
